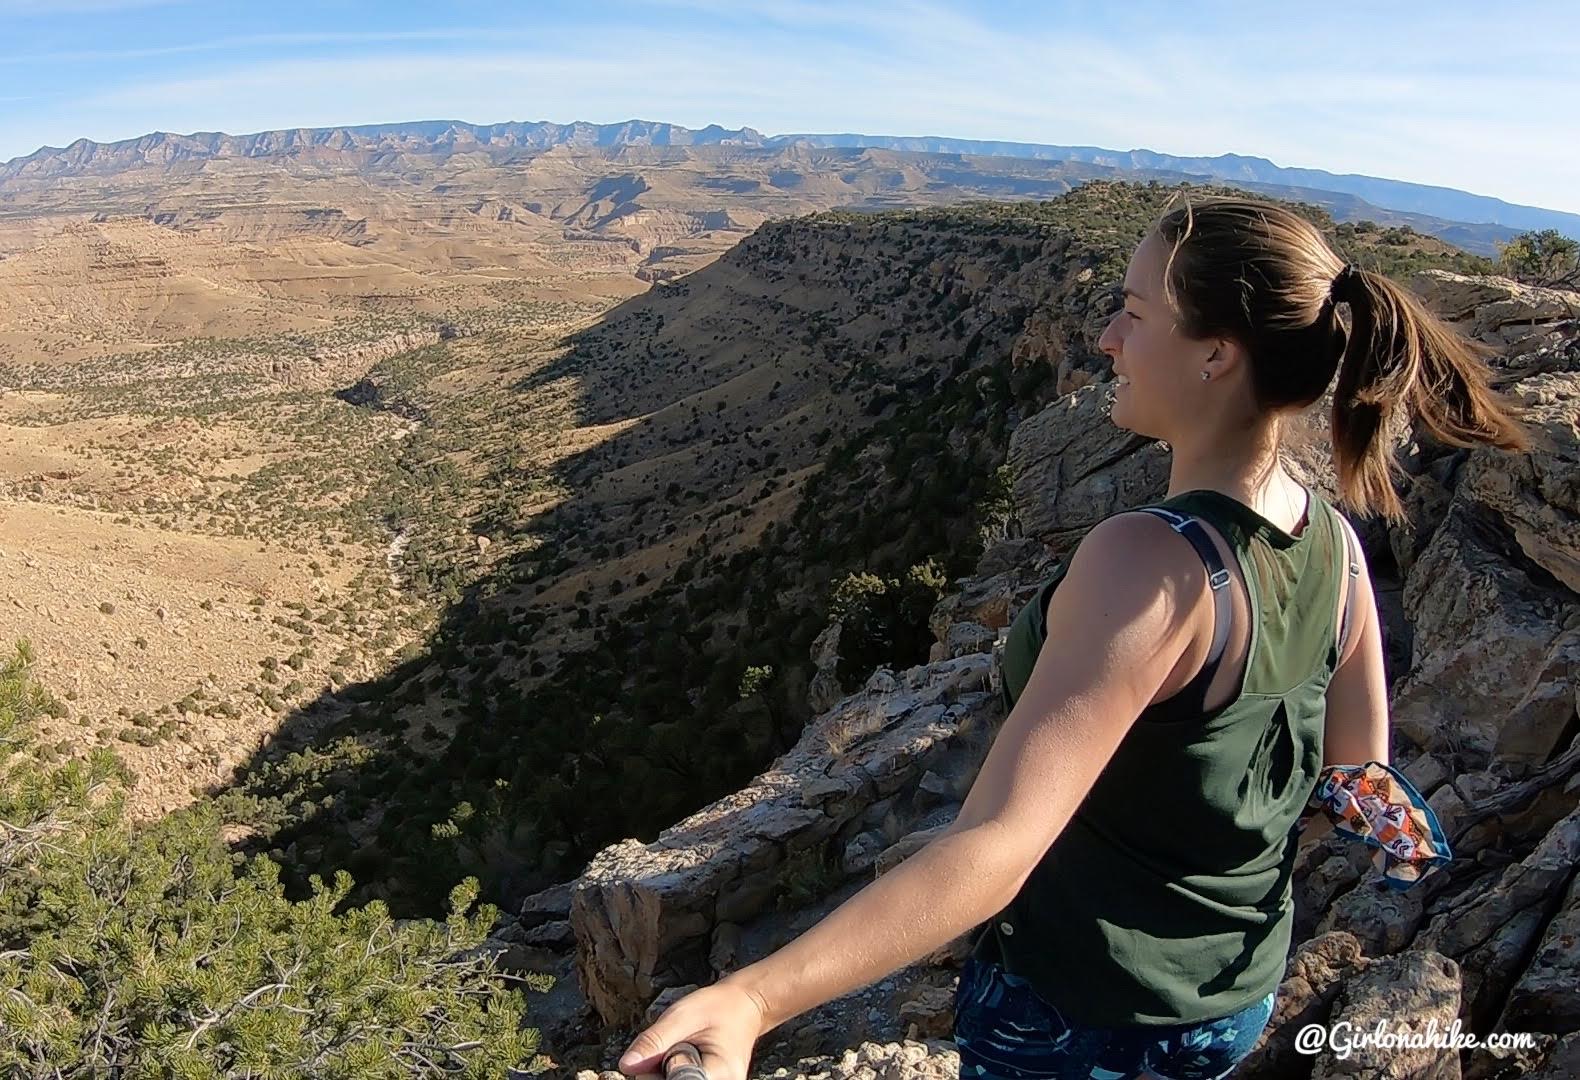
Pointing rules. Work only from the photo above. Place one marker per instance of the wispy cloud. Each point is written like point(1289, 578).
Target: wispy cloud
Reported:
point(24, 8)
point(1401, 99)
point(261, 41)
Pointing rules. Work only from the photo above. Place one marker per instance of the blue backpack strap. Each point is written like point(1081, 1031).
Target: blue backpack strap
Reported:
point(1218, 578)
point(1349, 595)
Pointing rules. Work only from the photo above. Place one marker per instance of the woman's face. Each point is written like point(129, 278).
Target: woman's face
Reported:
point(1158, 368)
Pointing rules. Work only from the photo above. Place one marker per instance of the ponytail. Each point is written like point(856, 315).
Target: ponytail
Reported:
point(1259, 273)
point(1399, 361)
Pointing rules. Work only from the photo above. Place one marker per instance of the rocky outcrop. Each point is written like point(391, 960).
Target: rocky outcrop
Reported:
point(1489, 547)
point(1384, 920)
point(1496, 652)
point(1491, 927)
point(1498, 311)
point(1537, 495)
point(1050, 338)
point(826, 691)
point(1072, 468)
point(1312, 981)
point(323, 365)
point(647, 916)
point(1545, 998)
point(379, 391)
point(972, 618)
point(1563, 1062)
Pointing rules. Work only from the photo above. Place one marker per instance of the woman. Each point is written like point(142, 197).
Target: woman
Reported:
point(1130, 837)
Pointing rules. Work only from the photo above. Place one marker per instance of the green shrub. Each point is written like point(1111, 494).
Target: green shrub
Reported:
point(142, 951)
point(1545, 257)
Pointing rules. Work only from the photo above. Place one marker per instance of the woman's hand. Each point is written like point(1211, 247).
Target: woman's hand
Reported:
point(723, 1021)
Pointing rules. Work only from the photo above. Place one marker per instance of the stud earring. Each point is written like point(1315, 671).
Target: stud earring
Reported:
point(1206, 375)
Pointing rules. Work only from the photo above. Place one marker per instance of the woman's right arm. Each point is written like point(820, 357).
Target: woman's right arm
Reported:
point(1356, 730)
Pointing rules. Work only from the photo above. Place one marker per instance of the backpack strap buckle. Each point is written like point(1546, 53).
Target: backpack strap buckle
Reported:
point(1217, 576)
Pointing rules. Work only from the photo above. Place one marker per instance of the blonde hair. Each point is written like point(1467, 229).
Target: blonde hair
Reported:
point(1264, 276)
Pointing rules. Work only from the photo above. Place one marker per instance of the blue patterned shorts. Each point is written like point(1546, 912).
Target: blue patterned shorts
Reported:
point(1006, 1031)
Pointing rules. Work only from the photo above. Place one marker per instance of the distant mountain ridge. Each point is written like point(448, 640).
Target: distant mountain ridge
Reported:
point(454, 136)
point(1437, 201)
point(163, 148)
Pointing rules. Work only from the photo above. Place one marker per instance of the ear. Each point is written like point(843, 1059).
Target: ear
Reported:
point(1227, 355)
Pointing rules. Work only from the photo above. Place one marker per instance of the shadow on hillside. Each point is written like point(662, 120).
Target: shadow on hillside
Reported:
point(660, 708)
point(784, 353)
point(357, 789)
point(532, 784)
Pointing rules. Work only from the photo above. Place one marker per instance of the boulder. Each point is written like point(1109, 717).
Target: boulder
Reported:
point(967, 637)
point(1411, 993)
point(1490, 931)
point(1330, 868)
point(1382, 919)
point(1563, 1061)
point(548, 905)
point(932, 1010)
point(1312, 980)
point(551, 935)
point(1072, 467)
point(1547, 995)
point(1496, 652)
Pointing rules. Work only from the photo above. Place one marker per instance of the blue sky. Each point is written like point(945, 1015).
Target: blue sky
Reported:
point(1467, 95)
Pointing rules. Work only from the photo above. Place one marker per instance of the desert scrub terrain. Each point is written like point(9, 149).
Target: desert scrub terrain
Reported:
point(205, 537)
point(664, 506)
point(475, 571)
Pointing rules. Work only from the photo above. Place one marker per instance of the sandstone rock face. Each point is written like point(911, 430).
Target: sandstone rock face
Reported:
point(1415, 992)
point(1496, 310)
point(1491, 932)
point(644, 915)
point(1072, 467)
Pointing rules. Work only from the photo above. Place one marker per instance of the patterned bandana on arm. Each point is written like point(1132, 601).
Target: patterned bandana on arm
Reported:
point(1374, 803)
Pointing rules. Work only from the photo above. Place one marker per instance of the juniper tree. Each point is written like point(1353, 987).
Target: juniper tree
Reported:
point(147, 952)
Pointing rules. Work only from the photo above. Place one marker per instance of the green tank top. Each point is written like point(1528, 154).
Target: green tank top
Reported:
point(1166, 899)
